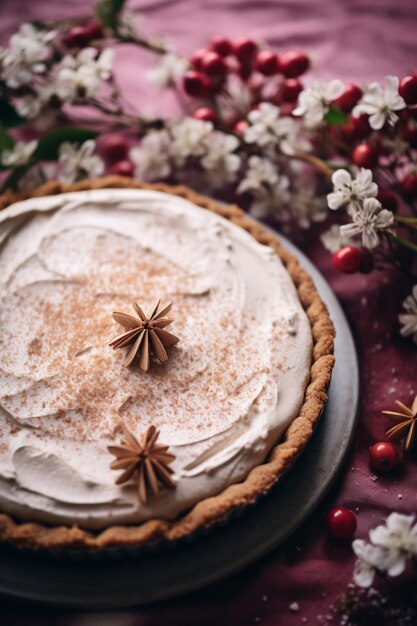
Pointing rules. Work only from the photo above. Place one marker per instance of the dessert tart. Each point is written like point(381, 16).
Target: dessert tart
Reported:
point(163, 361)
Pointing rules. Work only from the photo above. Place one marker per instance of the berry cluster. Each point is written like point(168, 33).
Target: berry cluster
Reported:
point(271, 133)
point(388, 151)
point(369, 151)
point(210, 67)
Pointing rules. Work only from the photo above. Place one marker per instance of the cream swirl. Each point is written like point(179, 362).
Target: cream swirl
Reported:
point(231, 387)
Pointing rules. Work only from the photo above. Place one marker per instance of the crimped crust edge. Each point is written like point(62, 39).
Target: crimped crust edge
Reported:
point(262, 477)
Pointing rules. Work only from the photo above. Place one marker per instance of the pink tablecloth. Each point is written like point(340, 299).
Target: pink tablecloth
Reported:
point(354, 40)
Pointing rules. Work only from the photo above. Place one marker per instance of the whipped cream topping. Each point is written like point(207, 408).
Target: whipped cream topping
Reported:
point(229, 390)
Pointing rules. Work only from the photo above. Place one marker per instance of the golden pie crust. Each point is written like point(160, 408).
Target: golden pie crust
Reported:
point(262, 477)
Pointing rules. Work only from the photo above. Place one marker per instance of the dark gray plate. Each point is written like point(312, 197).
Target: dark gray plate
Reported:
point(171, 571)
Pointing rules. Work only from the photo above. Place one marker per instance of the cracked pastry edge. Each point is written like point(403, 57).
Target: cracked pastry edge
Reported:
point(262, 477)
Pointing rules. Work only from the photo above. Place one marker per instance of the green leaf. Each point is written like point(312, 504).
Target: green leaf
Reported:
point(9, 117)
point(335, 117)
point(14, 177)
point(108, 11)
point(48, 145)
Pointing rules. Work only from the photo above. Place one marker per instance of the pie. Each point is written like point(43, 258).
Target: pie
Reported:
point(163, 362)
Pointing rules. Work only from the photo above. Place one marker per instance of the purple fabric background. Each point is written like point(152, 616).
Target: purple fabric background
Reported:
point(355, 40)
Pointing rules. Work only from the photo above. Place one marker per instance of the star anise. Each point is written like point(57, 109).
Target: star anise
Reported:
point(146, 332)
point(406, 428)
point(143, 459)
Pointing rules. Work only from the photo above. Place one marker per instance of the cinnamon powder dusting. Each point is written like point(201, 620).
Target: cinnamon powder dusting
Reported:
point(79, 388)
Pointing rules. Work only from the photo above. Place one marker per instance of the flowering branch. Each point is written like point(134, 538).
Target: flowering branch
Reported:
point(254, 131)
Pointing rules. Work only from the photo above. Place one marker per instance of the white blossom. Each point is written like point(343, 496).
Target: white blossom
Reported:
point(235, 101)
point(81, 76)
point(79, 161)
point(370, 560)
point(29, 106)
point(295, 141)
point(32, 104)
point(306, 207)
point(28, 49)
point(351, 191)
point(220, 160)
point(152, 159)
point(19, 154)
point(368, 220)
point(260, 172)
point(169, 70)
point(380, 103)
point(332, 239)
point(188, 139)
point(408, 320)
point(392, 544)
point(314, 102)
point(399, 538)
point(272, 201)
point(103, 63)
point(266, 126)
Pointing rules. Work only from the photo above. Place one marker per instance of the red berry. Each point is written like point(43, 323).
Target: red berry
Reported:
point(341, 523)
point(244, 70)
point(123, 168)
point(361, 125)
point(213, 64)
point(349, 97)
point(244, 48)
point(294, 64)
point(365, 155)
point(206, 114)
point(290, 89)
point(197, 58)
point(409, 185)
point(267, 62)
point(114, 147)
point(383, 456)
point(240, 126)
point(348, 131)
point(77, 37)
point(94, 30)
point(196, 84)
point(388, 199)
point(221, 45)
point(348, 259)
point(255, 83)
point(408, 89)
